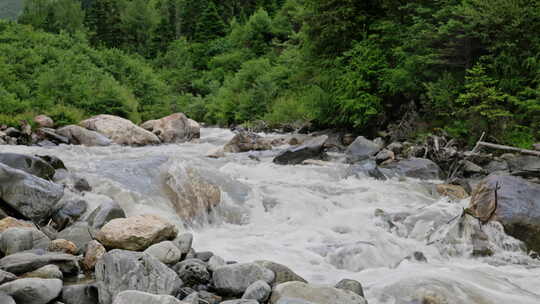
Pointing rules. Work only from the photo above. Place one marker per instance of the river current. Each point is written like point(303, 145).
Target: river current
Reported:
point(318, 221)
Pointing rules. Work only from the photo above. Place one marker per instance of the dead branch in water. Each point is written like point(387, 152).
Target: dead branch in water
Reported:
point(507, 148)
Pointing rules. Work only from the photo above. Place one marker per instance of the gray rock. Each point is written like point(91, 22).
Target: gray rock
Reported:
point(138, 297)
point(215, 262)
point(33, 291)
point(235, 279)
point(46, 272)
point(82, 185)
point(68, 212)
point(6, 277)
point(81, 136)
point(79, 233)
point(282, 273)
point(209, 297)
point(470, 168)
point(50, 134)
point(104, 213)
point(420, 168)
point(497, 166)
point(192, 272)
point(395, 147)
point(175, 128)
point(165, 251)
point(351, 285)
point(240, 301)
point(192, 298)
point(259, 290)
point(16, 240)
point(53, 161)
point(361, 148)
point(4, 298)
point(384, 156)
point(246, 141)
point(536, 147)
point(311, 149)
point(518, 206)
point(80, 294)
point(285, 292)
point(120, 270)
point(184, 242)
point(204, 255)
point(365, 168)
point(30, 196)
point(24, 262)
point(525, 166)
point(29, 164)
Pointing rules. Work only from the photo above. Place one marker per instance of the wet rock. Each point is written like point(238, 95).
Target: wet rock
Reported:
point(51, 135)
point(215, 262)
point(82, 185)
point(6, 277)
point(420, 168)
point(216, 153)
point(5, 299)
point(80, 294)
point(184, 242)
point(68, 213)
point(282, 273)
point(453, 191)
point(15, 240)
point(104, 213)
point(285, 292)
point(385, 156)
point(311, 149)
point(29, 164)
point(44, 121)
point(121, 131)
point(518, 206)
point(31, 196)
point(193, 196)
point(136, 232)
point(175, 128)
point(192, 272)
point(138, 297)
point(259, 291)
point(362, 148)
point(246, 141)
point(165, 251)
point(351, 285)
point(64, 246)
point(10, 222)
point(33, 290)
point(480, 243)
point(94, 251)
point(79, 234)
point(365, 168)
point(81, 136)
point(204, 255)
point(235, 279)
point(120, 270)
point(45, 272)
point(23, 262)
point(417, 256)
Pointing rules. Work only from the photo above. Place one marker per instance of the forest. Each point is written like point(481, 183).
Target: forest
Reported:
point(458, 67)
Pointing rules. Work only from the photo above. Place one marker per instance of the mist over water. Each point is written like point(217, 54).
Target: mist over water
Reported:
point(320, 223)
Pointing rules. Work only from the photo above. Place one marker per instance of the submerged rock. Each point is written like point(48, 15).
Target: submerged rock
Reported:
point(175, 128)
point(420, 168)
point(311, 149)
point(121, 131)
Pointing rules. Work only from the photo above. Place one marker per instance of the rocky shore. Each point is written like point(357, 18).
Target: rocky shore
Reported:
point(56, 249)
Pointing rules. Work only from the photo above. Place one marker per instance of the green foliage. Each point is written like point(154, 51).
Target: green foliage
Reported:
point(54, 15)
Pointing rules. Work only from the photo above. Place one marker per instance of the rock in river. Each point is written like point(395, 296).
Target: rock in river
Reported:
point(121, 131)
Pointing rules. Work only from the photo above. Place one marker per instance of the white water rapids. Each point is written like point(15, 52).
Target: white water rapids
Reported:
point(321, 224)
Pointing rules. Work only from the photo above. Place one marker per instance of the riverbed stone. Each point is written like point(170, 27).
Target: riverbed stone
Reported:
point(64, 246)
point(68, 212)
point(33, 290)
point(11, 222)
point(45, 272)
point(94, 252)
point(16, 239)
point(420, 168)
point(282, 273)
point(165, 251)
point(314, 294)
point(452, 191)
point(259, 291)
point(44, 121)
point(81, 136)
point(80, 234)
point(6, 277)
point(23, 262)
point(184, 242)
point(120, 270)
point(246, 141)
point(120, 130)
point(351, 285)
point(240, 301)
point(361, 149)
point(29, 164)
point(105, 212)
point(136, 233)
point(193, 272)
point(138, 297)
point(80, 294)
point(175, 128)
point(234, 279)
point(6, 299)
point(311, 149)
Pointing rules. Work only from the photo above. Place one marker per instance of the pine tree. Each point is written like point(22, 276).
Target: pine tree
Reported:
point(210, 24)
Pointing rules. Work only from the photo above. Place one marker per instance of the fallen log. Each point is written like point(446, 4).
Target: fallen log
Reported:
point(508, 148)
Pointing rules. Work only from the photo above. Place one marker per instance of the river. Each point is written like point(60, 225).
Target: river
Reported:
point(323, 225)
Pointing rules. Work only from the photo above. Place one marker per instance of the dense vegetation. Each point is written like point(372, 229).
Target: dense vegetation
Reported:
point(456, 66)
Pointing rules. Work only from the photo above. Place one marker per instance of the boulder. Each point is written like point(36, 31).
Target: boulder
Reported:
point(525, 166)
point(120, 270)
point(247, 141)
point(215, 262)
point(33, 290)
point(45, 272)
point(517, 208)
point(80, 294)
point(105, 212)
point(282, 273)
point(10, 222)
point(15, 240)
point(53, 161)
point(313, 294)
point(81, 136)
point(79, 234)
point(311, 149)
point(29, 164)
point(44, 121)
point(192, 272)
point(138, 297)
point(175, 128)
point(28, 261)
point(64, 246)
point(30, 196)
point(6, 277)
point(453, 191)
point(167, 252)
point(365, 168)
point(94, 252)
point(351, 285)
point(420, 168)
point(68, 212)
point(50, 135)
point(121, 131)
point(234, 279)
point(361, 148)
point(184, 242)
point(259, 291)
point(191, 194)
point(216, 153)
point(136, 233)
point(4, 298)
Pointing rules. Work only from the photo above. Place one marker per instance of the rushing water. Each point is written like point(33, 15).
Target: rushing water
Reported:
point(314, 219)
